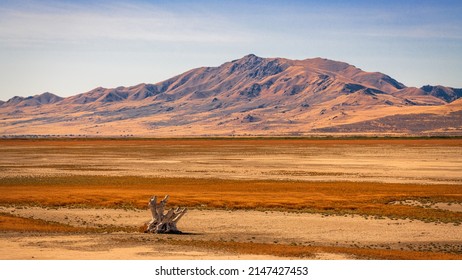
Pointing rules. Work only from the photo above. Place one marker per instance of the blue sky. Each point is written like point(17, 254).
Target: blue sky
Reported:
point(69, 47)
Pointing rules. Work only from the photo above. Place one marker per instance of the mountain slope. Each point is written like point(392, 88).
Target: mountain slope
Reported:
point(251, 95)
point(445, 93)
point(36, 100)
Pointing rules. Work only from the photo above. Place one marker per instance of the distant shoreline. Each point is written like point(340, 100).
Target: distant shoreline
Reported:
point(256, 137)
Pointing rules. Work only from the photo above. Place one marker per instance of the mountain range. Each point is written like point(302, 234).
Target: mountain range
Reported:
point(247, 96)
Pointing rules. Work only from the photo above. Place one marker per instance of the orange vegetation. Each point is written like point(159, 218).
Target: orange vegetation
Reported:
point(19, 224)
point(363, 198)
point(12, 223)
point(284, 250)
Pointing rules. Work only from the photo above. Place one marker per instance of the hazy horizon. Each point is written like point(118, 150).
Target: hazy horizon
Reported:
point(70, 47)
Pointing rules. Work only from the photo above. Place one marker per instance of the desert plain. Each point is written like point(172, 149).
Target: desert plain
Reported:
point(255, 198)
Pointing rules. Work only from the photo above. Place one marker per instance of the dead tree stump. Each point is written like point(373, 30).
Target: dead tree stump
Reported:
point(163, 222)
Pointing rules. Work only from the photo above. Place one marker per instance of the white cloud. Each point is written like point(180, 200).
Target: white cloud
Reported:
point(114, 23)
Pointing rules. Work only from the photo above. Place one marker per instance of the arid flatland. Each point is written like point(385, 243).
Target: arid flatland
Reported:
point(248, 198)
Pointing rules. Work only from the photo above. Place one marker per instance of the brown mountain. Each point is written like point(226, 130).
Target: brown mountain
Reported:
point(248, 96)
point(445, 93)
point(36, 100)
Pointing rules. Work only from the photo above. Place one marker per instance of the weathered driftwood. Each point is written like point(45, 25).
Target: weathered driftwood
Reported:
point(163, 222)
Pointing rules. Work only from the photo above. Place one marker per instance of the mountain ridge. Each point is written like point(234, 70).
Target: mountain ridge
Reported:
point(266, 96)
point(447, 94)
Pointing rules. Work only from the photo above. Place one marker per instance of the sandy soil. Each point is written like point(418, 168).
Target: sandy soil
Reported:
point(217, 225)
point(400, 161)
point(392, 161)
point(106, 247)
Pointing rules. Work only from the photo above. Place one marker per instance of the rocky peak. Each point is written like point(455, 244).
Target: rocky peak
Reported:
point(256, 67)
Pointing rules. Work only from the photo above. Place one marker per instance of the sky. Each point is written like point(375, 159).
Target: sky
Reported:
point(70, 47)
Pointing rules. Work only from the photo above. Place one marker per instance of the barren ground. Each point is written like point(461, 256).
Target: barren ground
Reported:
point(414, 212)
